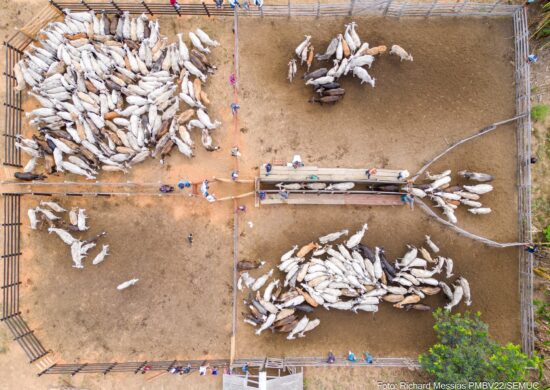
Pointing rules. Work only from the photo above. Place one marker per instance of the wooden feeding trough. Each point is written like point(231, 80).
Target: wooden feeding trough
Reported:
point(381, 188)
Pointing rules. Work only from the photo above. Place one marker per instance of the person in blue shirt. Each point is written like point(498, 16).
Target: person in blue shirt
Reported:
point(183, 184)
point(368, 357)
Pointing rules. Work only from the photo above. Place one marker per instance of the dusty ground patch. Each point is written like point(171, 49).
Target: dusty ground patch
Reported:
point(457, 84)
point(179, 309)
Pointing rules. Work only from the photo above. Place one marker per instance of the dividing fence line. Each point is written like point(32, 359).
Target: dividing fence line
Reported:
point(428, 210)
point(289, 364)
point(523, 134)
point(349, 8)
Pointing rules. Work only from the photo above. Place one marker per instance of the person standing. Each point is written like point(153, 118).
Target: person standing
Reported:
point(175, 4)
point(182, 184)
point(165, 189)
point(268, 168)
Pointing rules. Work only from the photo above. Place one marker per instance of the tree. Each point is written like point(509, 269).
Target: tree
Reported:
point(466, 353)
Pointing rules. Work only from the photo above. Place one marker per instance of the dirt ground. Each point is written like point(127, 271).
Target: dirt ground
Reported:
point(180, 307)
point(457, 84)
point(352, 379)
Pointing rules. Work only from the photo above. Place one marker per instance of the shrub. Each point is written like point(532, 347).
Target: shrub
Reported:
point(539, 112)
point(547, 233)
point(542, 29)
point(465, 353)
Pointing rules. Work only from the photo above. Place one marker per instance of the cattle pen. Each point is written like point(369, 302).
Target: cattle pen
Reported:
point(12, 250)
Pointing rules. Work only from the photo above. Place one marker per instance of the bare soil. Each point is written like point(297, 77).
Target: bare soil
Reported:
point(461, 80)
point(181, 306)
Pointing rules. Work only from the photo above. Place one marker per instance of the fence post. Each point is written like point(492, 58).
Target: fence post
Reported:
point(388, 5)
point(289, 8)
point(318, 8)
point(176, 9)
point(401, 9)
point(140, 367)
point(351, 6)
point(116, 6)
point(206, 9)
point(46, 370)
point(109, 369)
point(431, 8)
point(463, 5)
point(144, 4)
point(497, 2)
point(85, 5)
point(56, 5)
point(78, 369)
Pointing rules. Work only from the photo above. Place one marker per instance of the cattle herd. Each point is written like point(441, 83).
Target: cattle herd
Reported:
point(45, 214)
point(350, 55)
point(449, 198)
point(110, 90)
point(344, 276)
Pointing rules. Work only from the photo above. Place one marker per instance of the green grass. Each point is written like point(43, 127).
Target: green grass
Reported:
point(539, 112)
point(547, 233)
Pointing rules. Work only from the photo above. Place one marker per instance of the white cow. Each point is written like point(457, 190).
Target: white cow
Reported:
point(398, 50)
point(364, 76)
point(127, 284)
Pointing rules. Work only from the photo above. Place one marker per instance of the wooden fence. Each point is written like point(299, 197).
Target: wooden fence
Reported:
point(346, 8)
point(523, 136)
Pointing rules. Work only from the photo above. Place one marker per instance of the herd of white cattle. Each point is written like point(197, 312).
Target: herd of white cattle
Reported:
point(350, 55)
point(45, 214)
point(48, 214)
point(345, 276)
point(449, 198)
point(110, 90)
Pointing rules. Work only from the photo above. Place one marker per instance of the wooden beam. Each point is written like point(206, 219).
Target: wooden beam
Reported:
point(302, 174)
point(336, 199)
